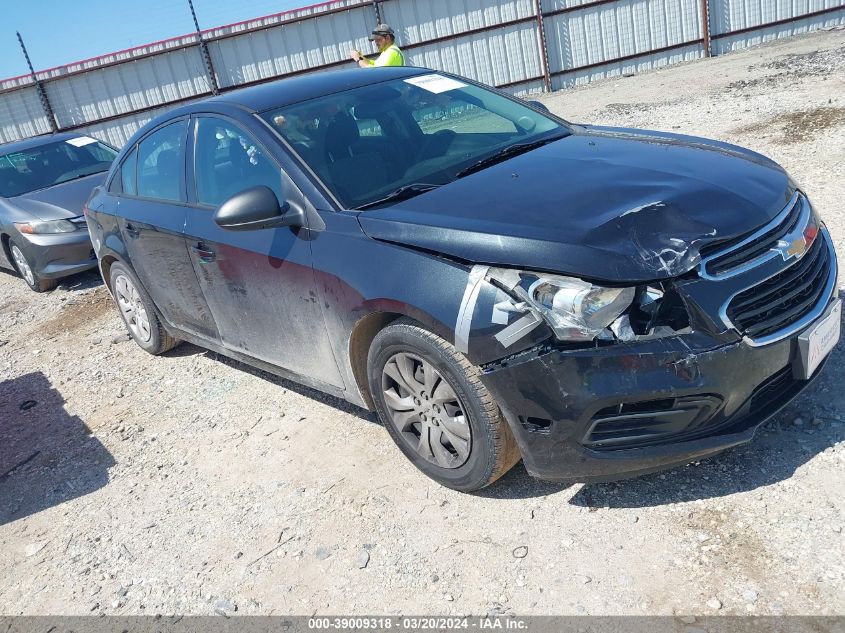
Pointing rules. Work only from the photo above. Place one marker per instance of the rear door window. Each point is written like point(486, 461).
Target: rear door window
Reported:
point(161, 162)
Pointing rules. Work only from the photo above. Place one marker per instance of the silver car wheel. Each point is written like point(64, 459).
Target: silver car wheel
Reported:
point(132, 308)
point(23, 265)
point(426, 411)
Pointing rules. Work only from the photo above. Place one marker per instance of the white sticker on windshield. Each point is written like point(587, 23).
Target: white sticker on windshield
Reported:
point(435, 83)
point(80, 141)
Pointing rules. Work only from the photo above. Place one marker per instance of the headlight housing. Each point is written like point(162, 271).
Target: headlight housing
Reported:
point(575, 309)
point(39, 227)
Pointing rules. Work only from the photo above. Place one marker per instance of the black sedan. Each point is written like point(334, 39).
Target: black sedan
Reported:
point(496, 282)
point(44, 182)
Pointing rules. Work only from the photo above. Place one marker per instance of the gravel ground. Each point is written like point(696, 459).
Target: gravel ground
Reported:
point(189, 483)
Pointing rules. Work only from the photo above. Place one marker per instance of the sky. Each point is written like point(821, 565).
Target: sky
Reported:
point(57, 32)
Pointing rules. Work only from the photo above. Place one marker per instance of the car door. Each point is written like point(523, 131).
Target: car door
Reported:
point(259, 284)
point(152, 210)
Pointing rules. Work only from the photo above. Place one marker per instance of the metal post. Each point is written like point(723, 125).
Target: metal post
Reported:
point(705, 26)
point(42, 94)
point(544, 47)
point(206, 58)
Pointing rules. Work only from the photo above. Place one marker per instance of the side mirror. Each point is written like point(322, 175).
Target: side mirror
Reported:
point(539, 105)
point(257, 208)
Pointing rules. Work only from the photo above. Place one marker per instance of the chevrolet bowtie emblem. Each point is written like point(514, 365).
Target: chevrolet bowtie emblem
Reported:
point(796, 248)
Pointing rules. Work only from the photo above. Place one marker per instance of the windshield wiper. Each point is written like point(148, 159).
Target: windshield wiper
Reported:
point(509, 152)
point(62, 182)
point(403, 193)
point(77, 177)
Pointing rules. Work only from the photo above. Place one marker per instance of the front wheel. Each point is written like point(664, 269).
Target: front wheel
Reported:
point(436, 409)
point(25, 270)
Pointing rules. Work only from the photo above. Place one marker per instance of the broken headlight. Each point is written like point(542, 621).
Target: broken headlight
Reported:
point(578, 310)
point(575, 309)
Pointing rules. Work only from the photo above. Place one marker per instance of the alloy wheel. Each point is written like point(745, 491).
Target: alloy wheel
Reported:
point(426, 411)
point(132, 307)
point(23, 265)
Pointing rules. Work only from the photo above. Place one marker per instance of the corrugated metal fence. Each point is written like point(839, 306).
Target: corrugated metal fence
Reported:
point(524, 46)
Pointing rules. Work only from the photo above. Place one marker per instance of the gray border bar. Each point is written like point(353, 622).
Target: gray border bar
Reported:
point(427, 623)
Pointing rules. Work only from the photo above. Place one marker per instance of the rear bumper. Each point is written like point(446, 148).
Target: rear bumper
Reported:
point(688, 400)
point(58, 255)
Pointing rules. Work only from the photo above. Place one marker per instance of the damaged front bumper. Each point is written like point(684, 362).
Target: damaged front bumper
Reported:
point(622, 409)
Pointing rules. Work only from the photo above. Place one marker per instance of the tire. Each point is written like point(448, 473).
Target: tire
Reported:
point(24, 268)
point(138, 311)
point(462, 442)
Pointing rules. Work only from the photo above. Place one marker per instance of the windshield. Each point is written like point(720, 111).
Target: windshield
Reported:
point(52, 163)
point(368, 143)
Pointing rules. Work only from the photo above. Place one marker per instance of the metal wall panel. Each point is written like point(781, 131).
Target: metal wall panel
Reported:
point(502, 56)
point(601, 33)
point(615, 69)
point(117, 131)
point(758, 36)
point(732, 15)
point(291, 47)
point(85, 97)
point(528, 88)
point(416, 21)
point(13, 83)
point(321, 10)
point(21, 115)
point(129, 54)
point(494, 41)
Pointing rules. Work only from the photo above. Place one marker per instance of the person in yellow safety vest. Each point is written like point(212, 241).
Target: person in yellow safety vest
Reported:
point(385, 40)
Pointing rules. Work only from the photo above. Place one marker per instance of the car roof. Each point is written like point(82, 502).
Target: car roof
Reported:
point(35, 141)
point(304, 87)
point(279, 93)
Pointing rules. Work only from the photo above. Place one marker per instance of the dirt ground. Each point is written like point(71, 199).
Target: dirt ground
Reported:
point(192, 484)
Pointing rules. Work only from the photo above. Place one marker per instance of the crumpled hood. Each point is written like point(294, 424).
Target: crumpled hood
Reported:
point(58, 202)
point(604, 204)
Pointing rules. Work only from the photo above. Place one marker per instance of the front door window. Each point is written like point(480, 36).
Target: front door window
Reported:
point(228, 161)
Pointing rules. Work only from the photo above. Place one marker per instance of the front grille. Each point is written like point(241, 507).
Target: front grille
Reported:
point(780, 301)
point(745, 249)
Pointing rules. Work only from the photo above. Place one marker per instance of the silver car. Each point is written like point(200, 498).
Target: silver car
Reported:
point(44, 183)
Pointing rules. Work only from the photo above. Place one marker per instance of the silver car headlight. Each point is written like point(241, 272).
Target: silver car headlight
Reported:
point(39, 227)
point(575, 309)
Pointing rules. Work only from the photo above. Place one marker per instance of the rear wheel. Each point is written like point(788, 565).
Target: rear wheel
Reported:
point(26, 271)
point(433, 404)
point(138, 311)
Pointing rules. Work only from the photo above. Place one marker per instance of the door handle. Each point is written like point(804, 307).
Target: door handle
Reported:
point(131, 230)
point(206, 256)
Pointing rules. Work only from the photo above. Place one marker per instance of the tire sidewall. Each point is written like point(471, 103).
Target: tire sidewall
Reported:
point(477, 470)
point(154, 344)
point(39, 285)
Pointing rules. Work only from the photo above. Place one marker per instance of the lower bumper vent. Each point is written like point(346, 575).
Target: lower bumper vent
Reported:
point(642, 423)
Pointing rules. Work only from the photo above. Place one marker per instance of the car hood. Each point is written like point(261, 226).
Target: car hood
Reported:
point(60, 201)
point(607, 204)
